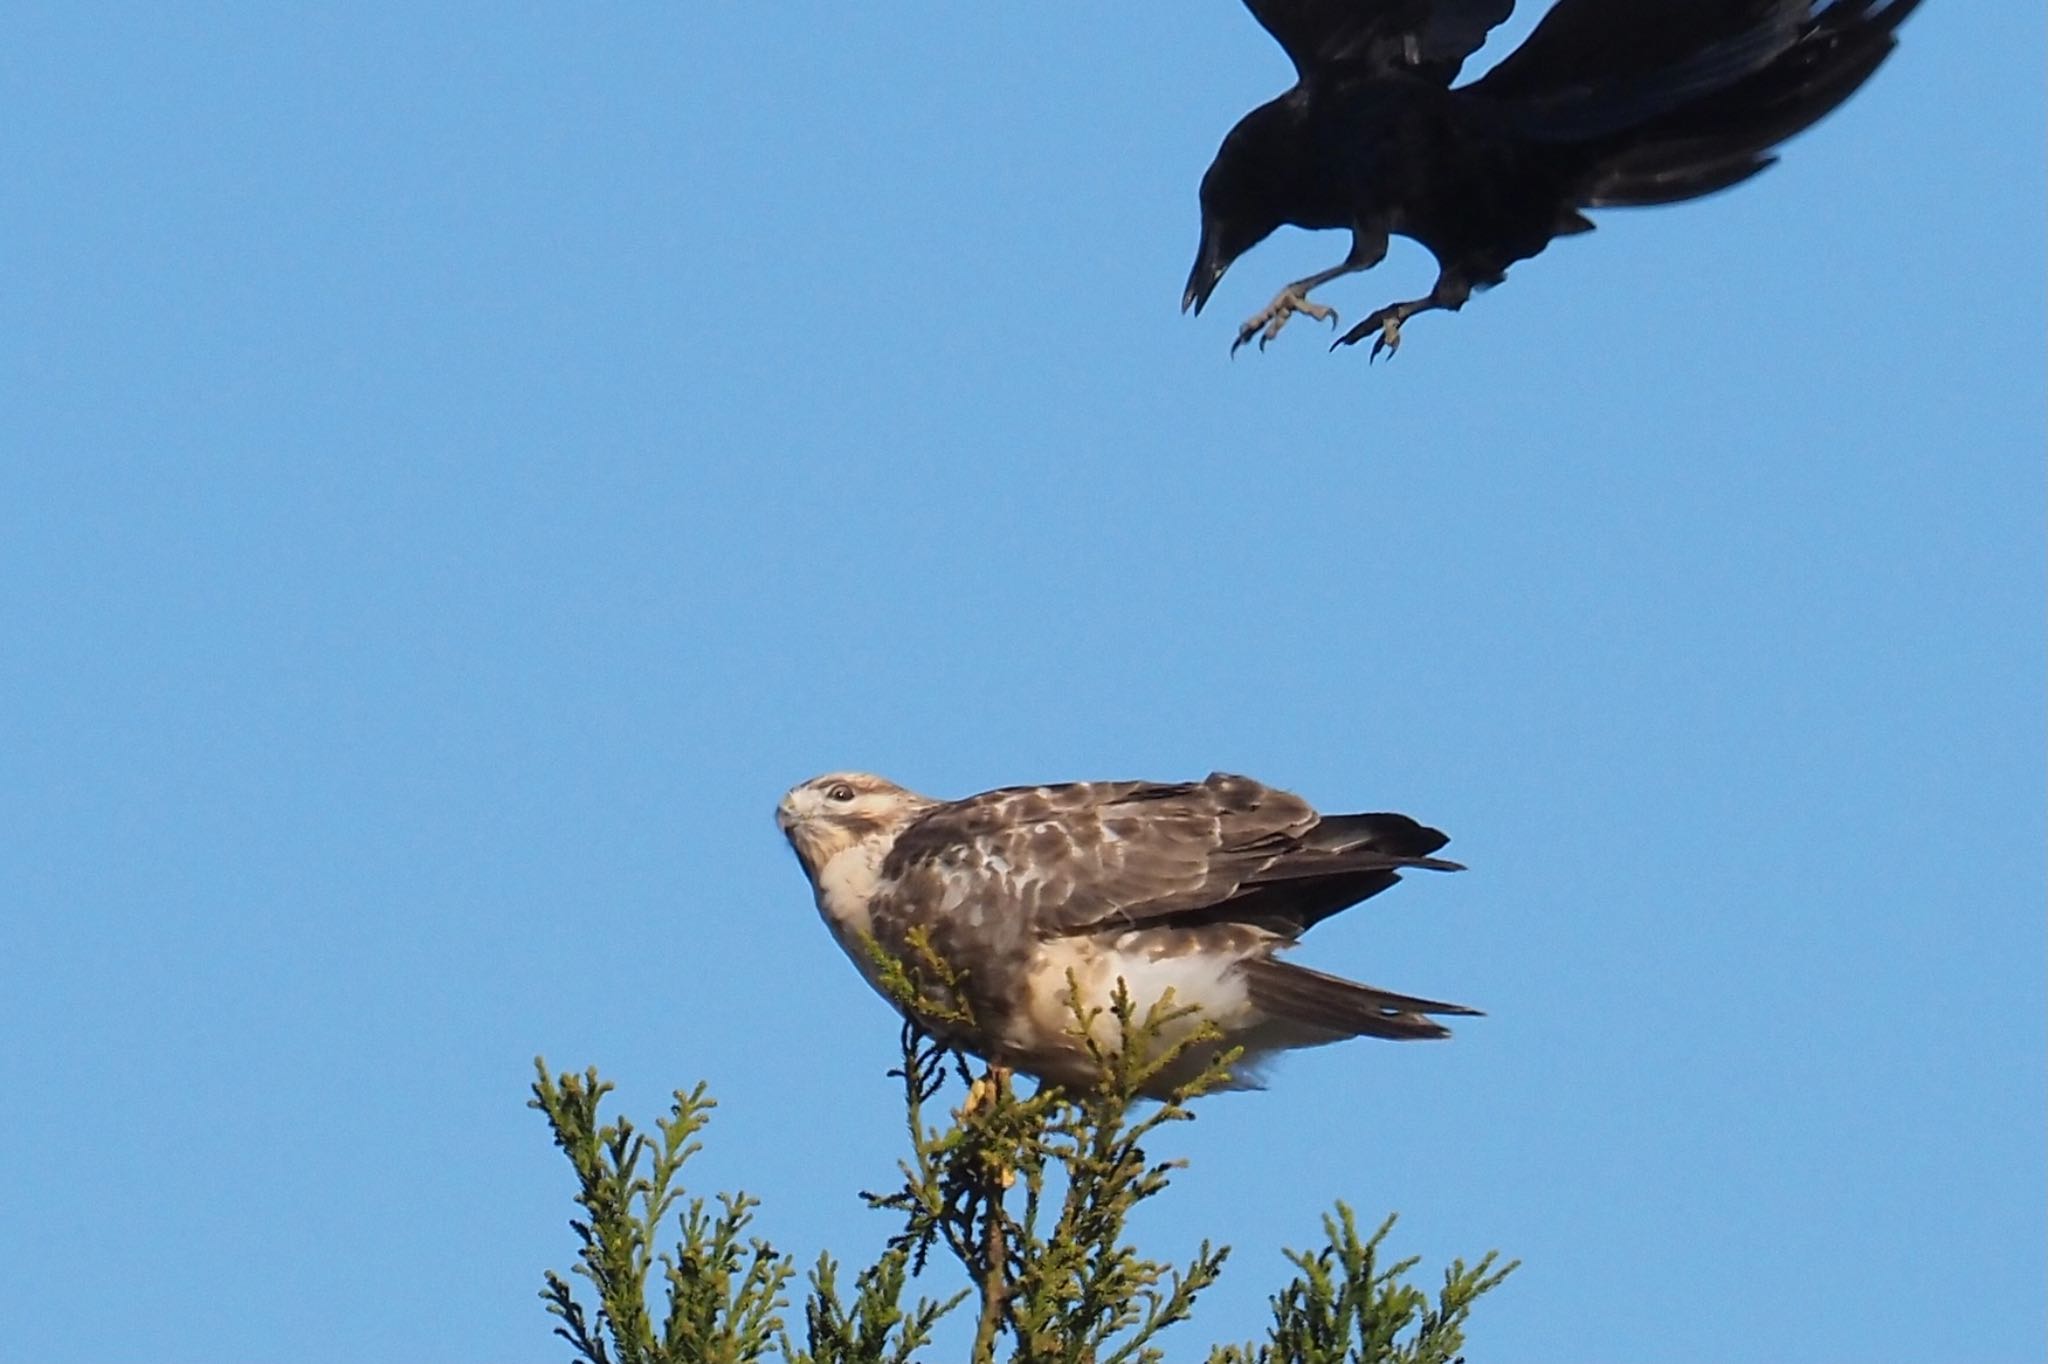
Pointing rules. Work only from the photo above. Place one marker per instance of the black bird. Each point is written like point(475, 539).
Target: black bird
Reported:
point(1608, 102)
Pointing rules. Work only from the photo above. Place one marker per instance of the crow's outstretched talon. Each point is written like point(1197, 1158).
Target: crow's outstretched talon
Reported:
point(1267, 322)
point(1384, 327)
point(1389, 340)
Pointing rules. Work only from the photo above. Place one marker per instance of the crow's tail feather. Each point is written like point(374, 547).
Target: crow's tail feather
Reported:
point(1656, 103)
point(1723, 138)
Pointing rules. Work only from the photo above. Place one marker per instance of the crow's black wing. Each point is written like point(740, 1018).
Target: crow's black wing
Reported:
point(1728, 78)
point(1430, 37)
point(1632, 57)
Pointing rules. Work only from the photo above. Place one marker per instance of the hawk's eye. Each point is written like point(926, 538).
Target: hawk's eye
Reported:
point(840, 792)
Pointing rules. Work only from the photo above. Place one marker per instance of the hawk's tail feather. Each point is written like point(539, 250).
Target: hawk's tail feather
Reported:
point(1345, 844)
point(1298, 995)
point(1387, 833)
point(1315, 866)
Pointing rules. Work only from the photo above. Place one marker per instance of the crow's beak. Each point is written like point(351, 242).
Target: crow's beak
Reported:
point(1209, 268)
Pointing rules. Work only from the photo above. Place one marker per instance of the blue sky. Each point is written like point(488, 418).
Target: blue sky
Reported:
point(463, 462)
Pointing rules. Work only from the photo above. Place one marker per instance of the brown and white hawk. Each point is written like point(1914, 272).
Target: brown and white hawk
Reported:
point(1192, 886)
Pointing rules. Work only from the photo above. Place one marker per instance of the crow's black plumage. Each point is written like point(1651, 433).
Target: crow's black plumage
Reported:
point(1608, 102)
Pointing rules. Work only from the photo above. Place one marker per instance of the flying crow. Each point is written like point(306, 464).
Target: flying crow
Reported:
point(1609, 102)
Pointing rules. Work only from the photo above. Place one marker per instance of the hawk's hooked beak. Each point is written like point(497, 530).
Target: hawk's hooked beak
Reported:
point(785, 817)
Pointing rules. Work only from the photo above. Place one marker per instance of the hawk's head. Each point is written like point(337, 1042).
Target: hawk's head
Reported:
point(840, 810)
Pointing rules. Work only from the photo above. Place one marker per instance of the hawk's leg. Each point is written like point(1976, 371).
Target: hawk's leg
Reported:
point(1449, 295)
point(1368, 248)
point(985, 1092)
point(989, 1177)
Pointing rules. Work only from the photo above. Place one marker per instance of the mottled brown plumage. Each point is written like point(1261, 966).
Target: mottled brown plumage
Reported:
point(1189, 887)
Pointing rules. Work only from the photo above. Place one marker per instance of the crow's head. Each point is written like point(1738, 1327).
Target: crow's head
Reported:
point(1249, 190)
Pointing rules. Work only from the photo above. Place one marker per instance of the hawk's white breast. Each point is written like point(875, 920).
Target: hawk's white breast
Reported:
point(845, 891)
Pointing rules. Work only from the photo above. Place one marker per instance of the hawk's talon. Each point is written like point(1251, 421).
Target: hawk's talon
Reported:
point(984, 1092)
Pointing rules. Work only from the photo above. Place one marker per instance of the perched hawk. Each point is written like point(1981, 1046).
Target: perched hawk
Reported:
point(1194, 887)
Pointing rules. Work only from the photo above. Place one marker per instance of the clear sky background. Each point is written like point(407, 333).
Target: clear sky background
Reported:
point(463, 461)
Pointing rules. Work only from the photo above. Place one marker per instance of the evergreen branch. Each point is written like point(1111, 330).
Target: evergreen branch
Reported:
point(1029, 1195)
point(1343, 1308)
point(724, 1291)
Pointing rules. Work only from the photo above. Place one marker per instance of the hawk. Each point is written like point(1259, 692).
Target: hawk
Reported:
point(1608, 103)
point(1193, 887)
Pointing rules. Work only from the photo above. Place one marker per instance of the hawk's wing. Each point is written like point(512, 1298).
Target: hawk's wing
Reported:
point(1430, 37)
point(1098, 856)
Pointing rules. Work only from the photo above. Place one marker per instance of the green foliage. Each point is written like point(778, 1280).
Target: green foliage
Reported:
point(1028, 1196)
point(724, 1292)
point(1342, 1308)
